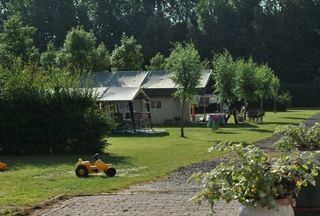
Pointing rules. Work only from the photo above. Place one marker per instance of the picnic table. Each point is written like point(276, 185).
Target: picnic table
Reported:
point(215, 120)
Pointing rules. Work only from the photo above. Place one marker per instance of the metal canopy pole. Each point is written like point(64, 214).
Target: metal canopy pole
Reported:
point(130, 103)
point(149, 113)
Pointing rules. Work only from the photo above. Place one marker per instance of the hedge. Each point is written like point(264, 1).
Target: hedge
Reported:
point(34, 121)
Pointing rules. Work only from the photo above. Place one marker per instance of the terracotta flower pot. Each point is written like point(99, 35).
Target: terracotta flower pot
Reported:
point(284, 209)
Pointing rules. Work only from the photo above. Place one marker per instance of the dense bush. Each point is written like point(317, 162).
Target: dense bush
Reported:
point(303, 94)
point(36, 120)
point(283, 102)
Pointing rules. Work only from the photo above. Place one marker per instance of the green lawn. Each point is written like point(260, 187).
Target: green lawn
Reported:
point(32, 179)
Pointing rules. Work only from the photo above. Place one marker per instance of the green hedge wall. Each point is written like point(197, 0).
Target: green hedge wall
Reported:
point(34, 121)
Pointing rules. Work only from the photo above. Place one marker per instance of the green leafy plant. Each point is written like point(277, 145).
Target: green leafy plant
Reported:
point(284, 100)
point(185, 66)
point(252, 178)
point(46, 112)
point(299, 137)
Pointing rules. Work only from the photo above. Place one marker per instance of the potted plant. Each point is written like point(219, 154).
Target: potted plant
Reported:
point(261, 184)
point(303, 139)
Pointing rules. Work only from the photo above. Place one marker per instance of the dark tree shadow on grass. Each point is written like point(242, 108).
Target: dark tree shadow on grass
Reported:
point(221, 131)
point(295, 118)
point(46, 161)
point(279, 123)
point(260, 130)
point(197, 139)
point(186, 125)
point(242, 125)
point(160, 134)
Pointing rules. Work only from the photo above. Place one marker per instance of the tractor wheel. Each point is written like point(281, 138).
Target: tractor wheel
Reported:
point(82, 171)
point(110, 172)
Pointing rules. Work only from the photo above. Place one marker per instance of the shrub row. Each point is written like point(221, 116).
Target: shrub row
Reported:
point(34, 121)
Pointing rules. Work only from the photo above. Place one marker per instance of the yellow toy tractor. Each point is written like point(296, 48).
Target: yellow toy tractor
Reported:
point(3, 166)
point(84, 168)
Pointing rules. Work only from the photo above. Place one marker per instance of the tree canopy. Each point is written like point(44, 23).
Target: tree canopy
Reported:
point(16, 40)
point(185, 66)
point(127, 56)
point(243, 80)
point(157, 62)
point(224, 76)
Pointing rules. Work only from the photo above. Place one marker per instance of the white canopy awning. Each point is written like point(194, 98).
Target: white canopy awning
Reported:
point(119, 93)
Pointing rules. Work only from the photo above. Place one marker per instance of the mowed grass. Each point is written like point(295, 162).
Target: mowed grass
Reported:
point(33, 179)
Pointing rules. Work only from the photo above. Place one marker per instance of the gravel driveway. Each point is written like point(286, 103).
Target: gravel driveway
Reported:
point(166, 197)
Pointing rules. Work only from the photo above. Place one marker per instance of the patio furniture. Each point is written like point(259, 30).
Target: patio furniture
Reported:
point(255, 115)
point(216, 120)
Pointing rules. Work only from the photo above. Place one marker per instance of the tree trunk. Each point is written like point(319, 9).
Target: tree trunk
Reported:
point(182, 119)
point(261, 103)
point(245, 110)
point(221, 107)
point(274, 105)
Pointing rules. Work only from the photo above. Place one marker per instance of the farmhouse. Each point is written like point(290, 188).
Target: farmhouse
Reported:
point(146, 94)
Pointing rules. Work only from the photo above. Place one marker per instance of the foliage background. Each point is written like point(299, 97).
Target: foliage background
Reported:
point(283, 33)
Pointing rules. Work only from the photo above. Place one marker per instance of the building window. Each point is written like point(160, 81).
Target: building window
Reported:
point(155, 104)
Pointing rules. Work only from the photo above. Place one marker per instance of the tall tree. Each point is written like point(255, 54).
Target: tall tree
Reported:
point(3, 11)
point(101, 58)
point(156, 36)
point(79, 47)
point(224, 77)
point(275, 85)
point(185, 66)
point(48, 58)
point(247, 84)
point(264, 79)
point(16, 40)
point(157, 62)
point(106, 17)
point(53, 19)
point(127, 56)
point(218, 20)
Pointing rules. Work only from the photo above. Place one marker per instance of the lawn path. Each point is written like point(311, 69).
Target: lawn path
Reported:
point(166, 197)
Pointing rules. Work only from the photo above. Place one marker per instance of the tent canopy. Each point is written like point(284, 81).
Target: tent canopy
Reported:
point(125, 85)
point(162, 80)
point(127, 79)
point(132, 79)
point(119, 93)
point(144, 79)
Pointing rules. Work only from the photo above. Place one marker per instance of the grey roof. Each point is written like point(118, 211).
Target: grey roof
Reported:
point(162, 80)
point(98, 79)
point(98, 92)
point(125, 85)
point(118, 93)
point(158, 80)
point(143, 79)
point(128, 78)
point(118, 78)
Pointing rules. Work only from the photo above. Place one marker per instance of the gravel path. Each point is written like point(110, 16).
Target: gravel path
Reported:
point(166, 197)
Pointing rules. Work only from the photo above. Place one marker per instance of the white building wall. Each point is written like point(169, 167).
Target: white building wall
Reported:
point(138, 106)
point(169, 111)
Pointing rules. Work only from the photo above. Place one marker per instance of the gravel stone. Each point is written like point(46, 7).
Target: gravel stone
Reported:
point(164, 197)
